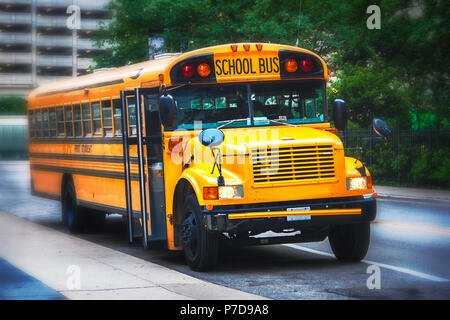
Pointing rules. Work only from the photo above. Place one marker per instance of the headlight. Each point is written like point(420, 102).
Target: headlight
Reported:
point(231, 192)
point(358, 183)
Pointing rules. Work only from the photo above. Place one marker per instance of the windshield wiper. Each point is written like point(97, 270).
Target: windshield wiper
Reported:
point(285, 123)
point(227, 122)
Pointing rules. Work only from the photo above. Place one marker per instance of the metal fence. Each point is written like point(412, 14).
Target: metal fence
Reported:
point(396, 159)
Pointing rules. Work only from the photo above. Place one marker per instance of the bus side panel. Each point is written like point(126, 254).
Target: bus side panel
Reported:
point(105, 191)
point(47, 182)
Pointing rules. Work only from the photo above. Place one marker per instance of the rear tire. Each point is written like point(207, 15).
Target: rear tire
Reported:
point(200, 246)
point(350, 242)
point(72, 215)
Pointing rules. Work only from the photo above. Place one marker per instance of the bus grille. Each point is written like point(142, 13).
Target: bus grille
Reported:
point(293, 164)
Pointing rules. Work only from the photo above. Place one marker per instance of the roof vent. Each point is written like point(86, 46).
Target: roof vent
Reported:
point(102, 69)
point(165, 55)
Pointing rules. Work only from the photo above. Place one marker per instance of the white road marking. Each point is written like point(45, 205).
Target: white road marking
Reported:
point(382, 265)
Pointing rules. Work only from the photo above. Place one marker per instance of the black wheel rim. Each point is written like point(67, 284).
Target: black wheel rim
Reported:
point(190, 236)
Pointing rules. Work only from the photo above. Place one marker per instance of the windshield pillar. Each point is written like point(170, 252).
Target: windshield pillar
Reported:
point(251, 112)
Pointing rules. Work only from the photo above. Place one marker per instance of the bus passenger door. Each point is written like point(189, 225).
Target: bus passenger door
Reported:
point(153, 141)
point(143, 138)
point(134, 158)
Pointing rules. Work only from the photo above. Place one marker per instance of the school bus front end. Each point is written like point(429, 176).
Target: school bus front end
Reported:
point(250, 157)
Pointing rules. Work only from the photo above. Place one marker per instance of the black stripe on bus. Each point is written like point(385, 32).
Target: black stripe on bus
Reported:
point(82, 157)
point(84, 172)
point(45, 195)
point(55, 140)
point(104, 207)
point(92, 86)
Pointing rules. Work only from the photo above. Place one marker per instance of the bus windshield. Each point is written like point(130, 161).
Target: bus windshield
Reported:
point(271, 104)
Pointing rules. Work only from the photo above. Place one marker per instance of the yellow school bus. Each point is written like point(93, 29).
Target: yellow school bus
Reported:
point(227, 143)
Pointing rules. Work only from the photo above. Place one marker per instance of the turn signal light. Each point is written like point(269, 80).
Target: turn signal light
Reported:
point(210, 193)
point(203, 70)
point(187, 70)
point(175, 143)
point(291, 65)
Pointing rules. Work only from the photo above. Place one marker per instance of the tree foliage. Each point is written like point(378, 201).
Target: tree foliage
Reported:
point(12, 105)
point(389, 72)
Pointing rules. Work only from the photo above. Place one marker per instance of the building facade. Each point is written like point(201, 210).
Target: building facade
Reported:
point(46, 40)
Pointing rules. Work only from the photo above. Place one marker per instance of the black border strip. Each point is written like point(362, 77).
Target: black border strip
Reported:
point(84, 172)
point(82, 157)
point(103, 207)
point(45, 195)
point(93, 140)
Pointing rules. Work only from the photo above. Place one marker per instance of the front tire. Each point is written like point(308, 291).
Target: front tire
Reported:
point(350, 242)
point(200, 246)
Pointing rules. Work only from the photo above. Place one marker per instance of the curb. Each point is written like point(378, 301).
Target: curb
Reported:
point(411, 198)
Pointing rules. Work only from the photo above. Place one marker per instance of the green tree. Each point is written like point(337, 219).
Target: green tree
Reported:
point(12, 105)
point(389, 72)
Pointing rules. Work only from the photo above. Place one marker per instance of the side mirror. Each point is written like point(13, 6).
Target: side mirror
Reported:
point(340, 114)
point(381, 128)
point(211, 137)
point(168, 111)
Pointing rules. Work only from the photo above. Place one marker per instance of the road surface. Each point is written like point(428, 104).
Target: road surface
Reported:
point(410, 246)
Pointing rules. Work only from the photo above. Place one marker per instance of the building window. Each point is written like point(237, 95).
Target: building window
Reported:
point(117, 107)
point(52, 122)
point(77, 120)
point(68, 122)
point(60, 121)
point(107, 119)
point(87, 125)
point(96, 118)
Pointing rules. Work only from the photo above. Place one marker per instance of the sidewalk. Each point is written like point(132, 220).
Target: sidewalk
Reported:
point(412, 193)
point(56, 258)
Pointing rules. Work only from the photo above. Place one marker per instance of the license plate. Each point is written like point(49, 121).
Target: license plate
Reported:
point(299, 218)
point(299, 209)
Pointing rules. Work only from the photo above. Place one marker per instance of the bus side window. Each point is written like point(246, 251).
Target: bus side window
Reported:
point(68, 122)
point(60, 121)
point(96, 118)
point(107, 119)
point(87, 125)
point(77, 120)
point(45, 122)
point(52, 122)
point(38, 123)
point(117, 107)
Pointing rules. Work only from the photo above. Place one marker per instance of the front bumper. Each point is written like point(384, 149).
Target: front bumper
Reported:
point(297, 215)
